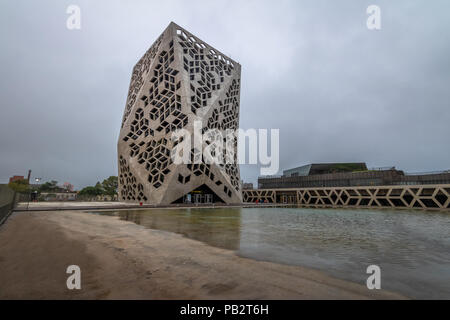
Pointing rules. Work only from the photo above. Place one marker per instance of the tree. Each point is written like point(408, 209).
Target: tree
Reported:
point(20, 186)
point(99, 186)
point(107, 187)
point(51, 186)
point(110, 186)
point(91, 191)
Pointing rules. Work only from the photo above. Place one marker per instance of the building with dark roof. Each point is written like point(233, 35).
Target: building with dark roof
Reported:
point(347, 175)
point(323, 168)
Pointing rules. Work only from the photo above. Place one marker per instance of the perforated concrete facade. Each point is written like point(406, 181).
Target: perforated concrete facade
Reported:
point(178, 81)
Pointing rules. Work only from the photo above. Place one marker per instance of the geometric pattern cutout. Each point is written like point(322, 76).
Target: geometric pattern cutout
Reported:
point(259, 195)
point(435, 197)
point(178, 81)
point(131, 190)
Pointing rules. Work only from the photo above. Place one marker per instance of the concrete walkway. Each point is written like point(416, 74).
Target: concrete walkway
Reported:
point(86, 205)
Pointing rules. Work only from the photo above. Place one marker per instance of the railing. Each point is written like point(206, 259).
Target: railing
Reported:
point(426, 173)
point(381, 168)
point(271, 177)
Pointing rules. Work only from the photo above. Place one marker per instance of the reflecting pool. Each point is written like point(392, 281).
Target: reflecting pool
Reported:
point(412, 248)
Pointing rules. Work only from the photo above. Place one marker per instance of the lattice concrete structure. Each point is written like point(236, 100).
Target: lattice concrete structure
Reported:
point(179, 80)
point(401, 196)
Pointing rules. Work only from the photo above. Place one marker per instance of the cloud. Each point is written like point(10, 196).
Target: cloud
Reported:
point(336, 91)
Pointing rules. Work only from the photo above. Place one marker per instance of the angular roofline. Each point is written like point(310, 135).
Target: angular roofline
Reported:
point(175, 25)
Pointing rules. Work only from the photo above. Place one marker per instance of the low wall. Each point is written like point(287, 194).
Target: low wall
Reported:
point(7, 199)
point(435, 197)
point(6, 194)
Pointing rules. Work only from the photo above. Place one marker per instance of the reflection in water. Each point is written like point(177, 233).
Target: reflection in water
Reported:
point(222, 229)
point(411, 248)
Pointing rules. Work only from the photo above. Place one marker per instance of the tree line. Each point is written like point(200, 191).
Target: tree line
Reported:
point(107, 187)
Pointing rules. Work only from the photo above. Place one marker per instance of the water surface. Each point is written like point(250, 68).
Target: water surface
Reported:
point(412, 248)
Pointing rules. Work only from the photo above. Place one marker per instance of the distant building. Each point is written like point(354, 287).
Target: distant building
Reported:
point(16, 178)
point(347, 175)
point(247, 186)
point(323, 168)
point(59, 196)
point(68, 186)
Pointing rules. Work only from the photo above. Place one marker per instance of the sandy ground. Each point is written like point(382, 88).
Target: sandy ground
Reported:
point(122, 260)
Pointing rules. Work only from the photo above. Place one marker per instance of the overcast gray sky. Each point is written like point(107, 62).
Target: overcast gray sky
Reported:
point(336, 91)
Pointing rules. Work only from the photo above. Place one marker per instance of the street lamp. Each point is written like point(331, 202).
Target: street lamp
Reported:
point(37, 180)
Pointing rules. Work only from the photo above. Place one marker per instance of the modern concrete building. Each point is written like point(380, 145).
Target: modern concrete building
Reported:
point(357, 178)
point(421, 196)
point(180, 81)
point(347, 187)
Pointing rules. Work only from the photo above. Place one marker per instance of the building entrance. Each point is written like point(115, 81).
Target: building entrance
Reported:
point(198, 198)
point(200, 195)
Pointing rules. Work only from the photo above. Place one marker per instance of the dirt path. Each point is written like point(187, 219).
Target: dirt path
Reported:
point(121, 260)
